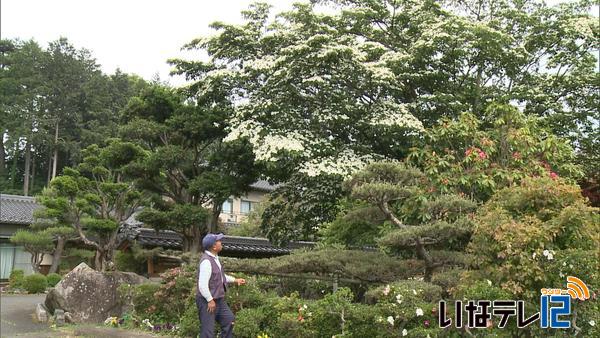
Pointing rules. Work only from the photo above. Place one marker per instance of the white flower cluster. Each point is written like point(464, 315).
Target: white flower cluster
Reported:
point(344, 164)
point(380, 71)
point(393, 114)
point(261, 64)
point(583, 26)
point(268, 146)
point(219, 73)
point(265, 146)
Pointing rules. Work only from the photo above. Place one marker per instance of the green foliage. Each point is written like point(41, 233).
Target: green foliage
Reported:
point(144, 300)
point(189, 324)
point(53, 279)
point(356, 225)
point(176, 288)
point(422, 222)
point(44, 90)
point(249, 296)
point(37, 243)
point(73, 257)
point(447, 280)
point(353, 264)
point(187, 160)
point(127, 261)
point(524, 228)
point(34, 242)
point(479, 157)
point(35, 283)
point(15, 279)
point(297, 209)
point(96, 197)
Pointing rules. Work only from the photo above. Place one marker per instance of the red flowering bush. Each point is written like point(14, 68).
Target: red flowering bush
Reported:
point(477, 157)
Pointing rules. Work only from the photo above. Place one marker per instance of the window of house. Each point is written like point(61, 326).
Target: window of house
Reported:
point(247, 206)
point(228, 207)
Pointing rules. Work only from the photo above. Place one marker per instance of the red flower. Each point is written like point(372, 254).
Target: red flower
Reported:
point(553, 175)
point(482, 154)
point(516, 155)
point(426, 323)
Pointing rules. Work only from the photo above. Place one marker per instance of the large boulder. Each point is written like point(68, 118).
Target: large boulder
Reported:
point(91, 296)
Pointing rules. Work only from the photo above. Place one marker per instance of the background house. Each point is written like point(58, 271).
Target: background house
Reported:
point(235, 209)
point(16, 212)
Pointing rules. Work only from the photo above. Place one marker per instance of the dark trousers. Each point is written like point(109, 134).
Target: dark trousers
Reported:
point(222, 314)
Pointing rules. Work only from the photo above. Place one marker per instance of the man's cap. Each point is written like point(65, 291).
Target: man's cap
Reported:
point(210, 240)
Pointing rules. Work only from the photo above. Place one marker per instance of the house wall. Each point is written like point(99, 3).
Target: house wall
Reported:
point(236, 216)
point(14, 257)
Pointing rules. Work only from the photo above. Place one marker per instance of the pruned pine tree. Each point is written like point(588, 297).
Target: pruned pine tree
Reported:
point(394, 186)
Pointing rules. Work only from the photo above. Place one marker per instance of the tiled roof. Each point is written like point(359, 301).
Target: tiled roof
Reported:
point(16, 209)
point(264, 186)
point(232, 245)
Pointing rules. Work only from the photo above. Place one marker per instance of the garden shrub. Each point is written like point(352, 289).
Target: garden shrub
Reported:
point(533, 236)
point(447, 280)
point(410, 305)
point(247, 296)
point(524, 229)
point(189, 324)
point(53, 279)
point(35, 283)
point(144, 302)
point(249, 322)
point(177, 286)
point(15, 280)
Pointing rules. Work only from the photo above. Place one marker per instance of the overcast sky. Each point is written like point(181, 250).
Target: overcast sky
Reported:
point(137, 36)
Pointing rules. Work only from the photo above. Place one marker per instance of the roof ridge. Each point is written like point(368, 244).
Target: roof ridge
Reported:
point(18, 197)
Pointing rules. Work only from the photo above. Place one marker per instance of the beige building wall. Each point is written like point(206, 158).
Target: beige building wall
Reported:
point(236, 215)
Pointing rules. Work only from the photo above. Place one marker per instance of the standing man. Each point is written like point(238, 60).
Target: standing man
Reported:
point(212, 284)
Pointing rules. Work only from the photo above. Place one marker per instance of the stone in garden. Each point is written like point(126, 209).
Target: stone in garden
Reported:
point(68, 317)
point(90, 296)
point(59, 317)
point(40, 313)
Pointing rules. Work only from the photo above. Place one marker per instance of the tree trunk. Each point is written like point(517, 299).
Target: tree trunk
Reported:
point(195, 245)
point(58, 251)
point(2, 156)
point(36, 261)
point(213, 223)
point(49, 177)
point(54, 163)
point(13, 171)
point(27, 170)
point(98, 261)
point(32, 173)
point(424, 255)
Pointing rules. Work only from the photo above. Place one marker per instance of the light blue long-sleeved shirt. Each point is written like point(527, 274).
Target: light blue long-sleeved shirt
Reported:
point(204, 276)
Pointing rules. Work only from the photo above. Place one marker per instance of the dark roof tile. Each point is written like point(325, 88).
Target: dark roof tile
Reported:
point(16, 209)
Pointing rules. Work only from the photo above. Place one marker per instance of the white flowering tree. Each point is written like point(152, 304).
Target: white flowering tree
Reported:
point(311, 99)
point(306, 92)
point(327, 94)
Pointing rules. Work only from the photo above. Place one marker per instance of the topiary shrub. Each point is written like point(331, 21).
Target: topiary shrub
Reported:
point(35, 283)
point(53, 279)
point(15, 280)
